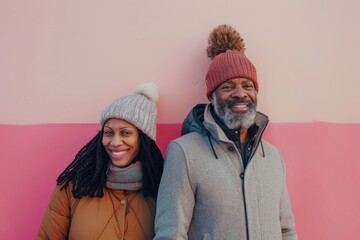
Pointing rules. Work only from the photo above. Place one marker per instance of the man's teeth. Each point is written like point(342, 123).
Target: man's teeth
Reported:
point(240, 106)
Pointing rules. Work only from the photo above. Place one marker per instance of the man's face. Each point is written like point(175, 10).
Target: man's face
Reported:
point(235, 102)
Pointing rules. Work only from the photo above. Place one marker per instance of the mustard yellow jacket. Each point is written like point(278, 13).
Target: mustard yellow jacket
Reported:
point(118, 215)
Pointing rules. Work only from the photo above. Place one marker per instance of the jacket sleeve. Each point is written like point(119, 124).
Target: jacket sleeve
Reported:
point(175, 201)
point(56, 220)
point(286, 214)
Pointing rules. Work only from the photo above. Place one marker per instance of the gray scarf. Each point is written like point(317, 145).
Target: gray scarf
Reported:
point(127, 178)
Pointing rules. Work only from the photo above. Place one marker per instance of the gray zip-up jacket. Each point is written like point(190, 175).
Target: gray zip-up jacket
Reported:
point(205, 192)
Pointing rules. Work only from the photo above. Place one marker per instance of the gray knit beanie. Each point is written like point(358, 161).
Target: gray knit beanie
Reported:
point(138, 108)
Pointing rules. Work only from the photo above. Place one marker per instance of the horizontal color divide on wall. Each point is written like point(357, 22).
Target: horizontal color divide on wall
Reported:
point(322, 163)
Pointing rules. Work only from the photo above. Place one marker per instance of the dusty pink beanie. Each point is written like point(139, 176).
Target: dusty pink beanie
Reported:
point(226, 49)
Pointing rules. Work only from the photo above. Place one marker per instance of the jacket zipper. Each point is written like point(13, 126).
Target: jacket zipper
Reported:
point(245, 208)
point(242, 176)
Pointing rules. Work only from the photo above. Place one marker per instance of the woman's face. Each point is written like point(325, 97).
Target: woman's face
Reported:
point(121, 141)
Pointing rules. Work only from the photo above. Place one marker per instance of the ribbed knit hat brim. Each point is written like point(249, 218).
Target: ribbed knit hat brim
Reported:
point(229, 65)
point(138, 108)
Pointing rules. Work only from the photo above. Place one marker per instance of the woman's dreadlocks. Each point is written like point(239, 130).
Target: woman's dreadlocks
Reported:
point(152, 162)
point(87, 172)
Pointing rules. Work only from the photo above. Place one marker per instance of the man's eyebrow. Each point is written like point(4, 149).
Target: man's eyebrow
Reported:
point(247, 81)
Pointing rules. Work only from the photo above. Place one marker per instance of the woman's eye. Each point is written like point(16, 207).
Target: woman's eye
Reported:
point(125, 133)
point(107, 133)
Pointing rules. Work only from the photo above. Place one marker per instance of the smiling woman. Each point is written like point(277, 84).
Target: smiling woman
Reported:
point(121, 141)
point(114, 179)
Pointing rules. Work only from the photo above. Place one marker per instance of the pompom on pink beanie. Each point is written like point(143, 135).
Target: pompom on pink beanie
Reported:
point(226, 49)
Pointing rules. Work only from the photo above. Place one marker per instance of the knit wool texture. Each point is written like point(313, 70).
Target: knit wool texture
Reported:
point(126, 178)
point(136, 109)
point(228, 65)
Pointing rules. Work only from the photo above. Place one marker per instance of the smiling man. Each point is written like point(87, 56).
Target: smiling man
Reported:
point(221, 180)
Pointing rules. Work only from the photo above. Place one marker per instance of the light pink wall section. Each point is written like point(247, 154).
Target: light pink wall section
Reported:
point(63, 61)
point(322, 163)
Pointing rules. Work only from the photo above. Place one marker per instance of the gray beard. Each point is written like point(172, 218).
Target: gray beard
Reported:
point(234, 120)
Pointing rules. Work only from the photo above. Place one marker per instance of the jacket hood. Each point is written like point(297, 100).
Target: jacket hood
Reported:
point(194, 121)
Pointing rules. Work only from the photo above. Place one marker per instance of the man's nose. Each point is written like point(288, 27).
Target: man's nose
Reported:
point(239, 92)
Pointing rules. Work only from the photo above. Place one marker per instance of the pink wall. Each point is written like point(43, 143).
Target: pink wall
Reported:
point(322, 172)
point(58, 56)
point(63, 61)
point(31, 159)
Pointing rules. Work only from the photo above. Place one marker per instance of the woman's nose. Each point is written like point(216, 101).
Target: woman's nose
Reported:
point(117, 141)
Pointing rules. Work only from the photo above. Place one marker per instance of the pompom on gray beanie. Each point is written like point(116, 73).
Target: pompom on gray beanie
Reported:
point(138, 108)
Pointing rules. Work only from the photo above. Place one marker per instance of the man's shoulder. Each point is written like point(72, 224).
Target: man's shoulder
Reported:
point(270, 149)
point(192, 142)
point(268, 144)
point(189, 138)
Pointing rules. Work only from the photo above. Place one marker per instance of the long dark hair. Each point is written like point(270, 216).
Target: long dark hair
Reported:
point(87, 172)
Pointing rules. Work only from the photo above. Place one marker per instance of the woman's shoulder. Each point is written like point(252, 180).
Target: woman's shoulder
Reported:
point(60, 192)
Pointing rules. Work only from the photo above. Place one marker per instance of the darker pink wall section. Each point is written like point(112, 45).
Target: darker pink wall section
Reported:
point(323, 163)
point(322, 173)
